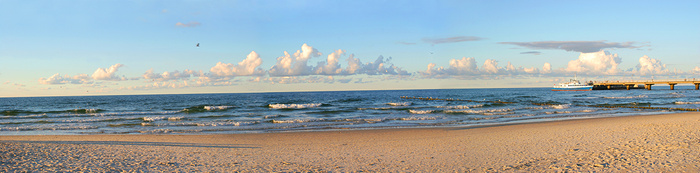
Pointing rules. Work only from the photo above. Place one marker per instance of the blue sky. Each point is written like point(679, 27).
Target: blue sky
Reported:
point(50, 48)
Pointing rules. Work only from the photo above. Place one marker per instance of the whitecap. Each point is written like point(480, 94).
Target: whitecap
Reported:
point(566, 106)
point(400, 103)
point(687, 103)
point(212, 108)
point(420, 111)
point(294, 106)
point(461, 106)
point(150, 119)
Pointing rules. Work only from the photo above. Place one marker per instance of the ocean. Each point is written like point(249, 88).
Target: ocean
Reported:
point(322, 111)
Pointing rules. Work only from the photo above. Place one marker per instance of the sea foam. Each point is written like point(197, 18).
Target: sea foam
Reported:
point(294, 106)
point(213, 108)
point(399, 103)
point(687, 103)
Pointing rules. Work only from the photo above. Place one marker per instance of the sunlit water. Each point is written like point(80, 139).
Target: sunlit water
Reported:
point(315, 111)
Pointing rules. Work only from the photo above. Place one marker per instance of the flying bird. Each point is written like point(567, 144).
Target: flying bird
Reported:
point(197, 44)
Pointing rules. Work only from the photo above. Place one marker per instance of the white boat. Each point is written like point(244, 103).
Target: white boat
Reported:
point(572, 85)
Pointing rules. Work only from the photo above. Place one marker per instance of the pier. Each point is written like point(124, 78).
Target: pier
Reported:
point(602, 85)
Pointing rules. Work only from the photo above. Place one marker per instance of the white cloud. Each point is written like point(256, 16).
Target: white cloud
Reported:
point(248, 67)
point(330, 66)
point(378, 67)
point(491, 67)
point(300, 79)
point(57, 79)
point(650, 66)
point(601, 62)
point(463, 66)
point(174, 75)
point(294, 65)
point(696, 70)
point(108, 74)
point(466, 68)
point(547, 68)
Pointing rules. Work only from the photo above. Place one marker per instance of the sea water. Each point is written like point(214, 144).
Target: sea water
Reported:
point(320, 111)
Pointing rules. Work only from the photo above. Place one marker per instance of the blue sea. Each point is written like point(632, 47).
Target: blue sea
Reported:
point(322, 111)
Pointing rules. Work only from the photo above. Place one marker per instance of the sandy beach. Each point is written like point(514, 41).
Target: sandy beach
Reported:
point(655, 143)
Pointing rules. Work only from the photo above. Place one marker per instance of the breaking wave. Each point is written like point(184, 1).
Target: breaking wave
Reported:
point(294, 106)
point(399, 103)
point(687, 103)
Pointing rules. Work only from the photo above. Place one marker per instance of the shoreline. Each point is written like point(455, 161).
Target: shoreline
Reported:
point(660, 142)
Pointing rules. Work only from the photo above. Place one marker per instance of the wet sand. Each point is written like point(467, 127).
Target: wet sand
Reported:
point(656, 143)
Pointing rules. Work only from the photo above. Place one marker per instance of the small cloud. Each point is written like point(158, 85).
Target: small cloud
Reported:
point(405, 43)
point(248, 67)
point(451, 39)
point(164, 11)
point(575, 46)
point(189, 24)
point(531, 52)
point(108, 73)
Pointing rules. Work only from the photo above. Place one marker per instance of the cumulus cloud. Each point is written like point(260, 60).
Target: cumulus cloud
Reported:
point(575, 46)
point(451, 39)
point(108, 73)
point(466, 68)
point(601, 62)
point(696, 70)
point(248, 67)
point(378, 67)
point(57, 79)
point(296, 64)
point(650, 66)
point(166, 76)
point(491, 67)
point(330, 66)
point(300, 79)
point(547, 68)
point(188, 24)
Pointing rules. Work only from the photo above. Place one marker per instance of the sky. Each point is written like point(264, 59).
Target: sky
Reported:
point(76, 48)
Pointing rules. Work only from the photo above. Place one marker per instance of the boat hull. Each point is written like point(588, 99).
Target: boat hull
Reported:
point(587, 88)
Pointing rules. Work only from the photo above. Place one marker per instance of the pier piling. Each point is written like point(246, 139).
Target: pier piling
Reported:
point(610, 85)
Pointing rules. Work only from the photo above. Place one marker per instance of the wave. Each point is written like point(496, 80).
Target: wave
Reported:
point(204, 108)
point(294, 106)
point(287, 121)
point(686, 103)
point(151, 119)
point(420, 111)
point(24, 112)
point(566, 106)
point(483, 111)
point(461, 106)
point(210, 108)
point(399, 103)
point(48, 127)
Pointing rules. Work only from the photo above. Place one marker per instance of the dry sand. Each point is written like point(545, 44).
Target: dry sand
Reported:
point(658, 143)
